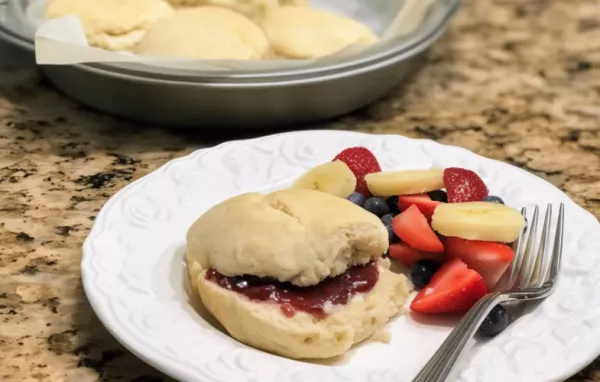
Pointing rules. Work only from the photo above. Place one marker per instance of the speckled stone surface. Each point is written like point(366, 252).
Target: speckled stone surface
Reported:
point(515, 80)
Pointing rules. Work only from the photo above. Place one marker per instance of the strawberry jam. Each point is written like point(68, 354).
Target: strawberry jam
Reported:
point(312, 299)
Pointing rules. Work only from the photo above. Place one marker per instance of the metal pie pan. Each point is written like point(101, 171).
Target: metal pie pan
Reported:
point(243, 99)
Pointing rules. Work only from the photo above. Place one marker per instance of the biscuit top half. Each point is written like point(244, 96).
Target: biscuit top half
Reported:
point(299, 236)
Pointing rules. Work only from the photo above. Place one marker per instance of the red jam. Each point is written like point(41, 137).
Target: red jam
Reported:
point(336, 290)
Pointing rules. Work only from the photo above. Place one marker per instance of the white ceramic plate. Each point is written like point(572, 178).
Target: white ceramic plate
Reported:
point(134, 277)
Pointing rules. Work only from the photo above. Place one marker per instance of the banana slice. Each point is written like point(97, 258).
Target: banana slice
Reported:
point(478, 221)
point(391, 183)
point(334, 178)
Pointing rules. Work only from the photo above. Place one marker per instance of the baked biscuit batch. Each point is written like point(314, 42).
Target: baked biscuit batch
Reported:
point(213, 29)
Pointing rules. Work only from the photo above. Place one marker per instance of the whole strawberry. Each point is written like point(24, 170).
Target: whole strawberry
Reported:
point(463, 185)
point(361, 162)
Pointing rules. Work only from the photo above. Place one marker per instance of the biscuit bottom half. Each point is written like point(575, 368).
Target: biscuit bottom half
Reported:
point(302, 334)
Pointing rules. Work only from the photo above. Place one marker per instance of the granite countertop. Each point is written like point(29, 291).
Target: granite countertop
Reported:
point(515, 80)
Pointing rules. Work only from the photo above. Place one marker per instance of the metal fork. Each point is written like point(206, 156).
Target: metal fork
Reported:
point(533, 276)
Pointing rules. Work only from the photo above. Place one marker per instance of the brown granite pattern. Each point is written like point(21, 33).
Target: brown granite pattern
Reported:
point(516, 80)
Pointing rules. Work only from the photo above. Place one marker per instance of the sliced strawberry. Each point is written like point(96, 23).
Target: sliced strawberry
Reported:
point(488, 258)
point(408, 256)
point(412, 227)
point(361, 162)
point(422, 201)
point(463, 185)
point(453, 289)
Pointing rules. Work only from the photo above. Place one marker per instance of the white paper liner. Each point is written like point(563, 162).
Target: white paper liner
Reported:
point(61, 41)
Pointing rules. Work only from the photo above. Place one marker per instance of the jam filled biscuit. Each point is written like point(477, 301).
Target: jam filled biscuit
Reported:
point(296, 272)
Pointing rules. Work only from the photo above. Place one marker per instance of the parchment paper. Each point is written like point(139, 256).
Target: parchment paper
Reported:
point(62, 41)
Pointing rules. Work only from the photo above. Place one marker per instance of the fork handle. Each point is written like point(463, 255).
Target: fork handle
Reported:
point(441, 363)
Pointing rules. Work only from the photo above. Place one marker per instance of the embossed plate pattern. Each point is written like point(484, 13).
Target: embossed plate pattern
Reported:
point(133, 274)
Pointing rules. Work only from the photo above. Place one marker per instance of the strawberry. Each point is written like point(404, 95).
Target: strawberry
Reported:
point(422, 201)
point(361, 162)
point(412, 227)
point(408, 256)
point(453, 289)
point(463, 185)
point(488, 258)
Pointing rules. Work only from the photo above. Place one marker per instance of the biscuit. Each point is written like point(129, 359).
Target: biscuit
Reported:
point(305, 33)
point(295, 235)
point(112, 24)
point(254, 9)
point(205, 33)
point(263, 325)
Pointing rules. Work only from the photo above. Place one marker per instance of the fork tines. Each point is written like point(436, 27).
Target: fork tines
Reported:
point(536, 260)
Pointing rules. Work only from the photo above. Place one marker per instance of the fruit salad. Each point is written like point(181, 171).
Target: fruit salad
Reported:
point(444, 226)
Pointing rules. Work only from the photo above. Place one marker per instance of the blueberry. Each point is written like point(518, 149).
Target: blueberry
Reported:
point(438, 195)
point(493, 199)
point(377, 206)
point(422, 271)
point(357, 198)
point(392, 203)
point(387, 219)
point(387, 222)
point(495, 322)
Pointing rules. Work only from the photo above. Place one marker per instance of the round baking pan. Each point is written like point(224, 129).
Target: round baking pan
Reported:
point(242, 98)
point(12, 28)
